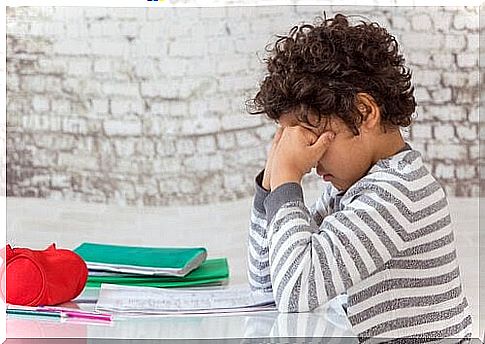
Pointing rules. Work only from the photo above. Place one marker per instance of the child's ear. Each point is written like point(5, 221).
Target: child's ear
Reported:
point(369, 110)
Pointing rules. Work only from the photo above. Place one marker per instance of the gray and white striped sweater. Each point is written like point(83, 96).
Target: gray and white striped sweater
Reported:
point(387, 242)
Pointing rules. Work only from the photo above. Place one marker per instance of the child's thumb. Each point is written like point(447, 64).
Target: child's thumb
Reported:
point(323, 142)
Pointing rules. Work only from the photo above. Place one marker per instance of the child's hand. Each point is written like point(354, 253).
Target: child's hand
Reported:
point(267, 170)
point(298, 150)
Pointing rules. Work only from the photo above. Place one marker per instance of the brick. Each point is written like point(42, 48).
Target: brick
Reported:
point(187, 48)
point(121, 89)
point(418, 57)
point(187, 186)
point(60, 106)
point(103, 29)
point(447, 151)
point(122, 128)
point(51, 65)
point(446, 113)
point(200, 125)
point(145, 68)
point(165, 147)
point(79, 67)
point(77, 162)
point(168, 165)
point(421, 131)
point(185, 146)
point(454, 43)
point(71, 46)
point(206, 144)
point(421, 22)
point(40, 104)
point(109, 47)
point(32, 83)
point(443, 132)
point(102, 66)
point(473, 41)
point(50, 29)
point(246, 139)
point(441, 95)
point(463, 20)
point(467, 132)
point(445, 171)
point(422, 41)
point(467, 60)
point(443, 60)
point(441, 19)
point(145, 147)
point(456, 79)
point(178, 109)
point(60, 181)
point(121, 107)
point(124, 148)
point(474, 153)
point(77, 30)
point(465, 171)
point(41, 123)
point(421, 94)
point(74, 125)
point(131, 29)
point(399, 22)
point(100, 106)
point(466, 95)
point(226, 140)
point(232, 65)
point(473, 115)
point(428, 78)
point(204, 163)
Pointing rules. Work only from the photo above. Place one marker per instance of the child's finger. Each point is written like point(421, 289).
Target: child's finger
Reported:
point(321, 145)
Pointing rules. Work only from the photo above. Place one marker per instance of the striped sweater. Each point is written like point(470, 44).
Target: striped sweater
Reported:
point(387, 242)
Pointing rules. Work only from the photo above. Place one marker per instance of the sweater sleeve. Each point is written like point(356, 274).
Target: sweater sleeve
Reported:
point(310, 264)
point(258, 258)
point(324, 205)
point(258, 247)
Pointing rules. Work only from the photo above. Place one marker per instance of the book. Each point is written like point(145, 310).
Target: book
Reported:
point(212, 271)
point(151, 261)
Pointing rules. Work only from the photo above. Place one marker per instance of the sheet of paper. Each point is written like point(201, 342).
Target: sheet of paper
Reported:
point(146, 300)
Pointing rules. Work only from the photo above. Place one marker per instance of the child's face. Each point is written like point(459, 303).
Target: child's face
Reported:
point(346, 160)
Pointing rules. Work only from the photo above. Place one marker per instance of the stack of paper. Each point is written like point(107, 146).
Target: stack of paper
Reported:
point(151, 266)
point(152, 301)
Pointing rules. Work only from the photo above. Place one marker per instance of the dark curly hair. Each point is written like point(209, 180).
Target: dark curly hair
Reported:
point(320, 69)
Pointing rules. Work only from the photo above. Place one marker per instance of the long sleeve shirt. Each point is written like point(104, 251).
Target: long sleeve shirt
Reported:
point(387, 242)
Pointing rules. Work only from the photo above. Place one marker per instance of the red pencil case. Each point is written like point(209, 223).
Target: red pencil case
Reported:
point(42, 277)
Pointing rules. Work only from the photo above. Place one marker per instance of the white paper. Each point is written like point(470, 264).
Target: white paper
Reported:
point(148, 300)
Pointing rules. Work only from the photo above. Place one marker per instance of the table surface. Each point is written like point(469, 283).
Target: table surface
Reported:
point(329, 320)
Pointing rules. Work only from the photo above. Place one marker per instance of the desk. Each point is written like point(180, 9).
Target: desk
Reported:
point(328, 320)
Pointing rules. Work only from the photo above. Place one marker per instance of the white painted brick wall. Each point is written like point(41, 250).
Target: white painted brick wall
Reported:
point(135, 106)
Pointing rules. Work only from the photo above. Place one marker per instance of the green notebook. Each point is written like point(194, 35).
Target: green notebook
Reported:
point(211, 271)
point(152, 261)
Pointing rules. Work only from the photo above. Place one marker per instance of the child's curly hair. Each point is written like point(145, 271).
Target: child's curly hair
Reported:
point(321, 68)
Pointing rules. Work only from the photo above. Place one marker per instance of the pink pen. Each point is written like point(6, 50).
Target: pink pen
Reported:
point(87, 316)
point(74, 314)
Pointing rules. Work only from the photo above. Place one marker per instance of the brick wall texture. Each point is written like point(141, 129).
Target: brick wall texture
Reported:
point(145, 106)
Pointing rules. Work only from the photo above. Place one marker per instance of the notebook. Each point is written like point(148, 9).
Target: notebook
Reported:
point(152, 261)
point(212, 271)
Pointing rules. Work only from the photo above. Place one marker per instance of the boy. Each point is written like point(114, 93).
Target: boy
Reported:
point(381, 232)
